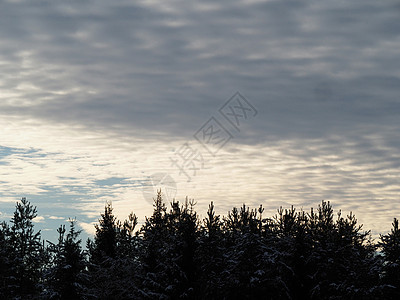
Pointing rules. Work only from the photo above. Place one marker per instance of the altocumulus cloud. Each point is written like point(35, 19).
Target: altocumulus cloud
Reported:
point(97, 95)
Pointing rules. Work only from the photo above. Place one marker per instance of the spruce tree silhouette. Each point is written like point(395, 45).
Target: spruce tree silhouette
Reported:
point(27, 256)
point(390, 247)
point(66, 276)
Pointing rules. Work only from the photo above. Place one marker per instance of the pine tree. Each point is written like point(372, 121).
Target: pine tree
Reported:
point(27, 256)
point(169, 242)
point(154, 243)
point(105, 240)
point(6, 278)
point(66, 276)
point(127, 238)
point(341, 260)
point(251, 256)
point(390, 248)
point(209, 256)
point(292, 247)
point(112, 257)
point(183, 229)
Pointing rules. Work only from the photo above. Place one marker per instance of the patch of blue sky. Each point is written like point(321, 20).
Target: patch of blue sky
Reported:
point(112, 181)
point(31, 152)
point(54, 203)
point(121, 181)
point(6, 151)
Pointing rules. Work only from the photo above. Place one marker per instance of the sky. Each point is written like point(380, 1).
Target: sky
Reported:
point(276, 103)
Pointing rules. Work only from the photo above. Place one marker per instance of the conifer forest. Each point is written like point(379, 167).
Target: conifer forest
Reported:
point(294, 254)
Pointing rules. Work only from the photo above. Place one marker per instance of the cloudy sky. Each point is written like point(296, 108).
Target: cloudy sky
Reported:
point(109, 100)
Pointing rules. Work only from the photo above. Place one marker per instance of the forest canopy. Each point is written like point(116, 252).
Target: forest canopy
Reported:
point(294, 254)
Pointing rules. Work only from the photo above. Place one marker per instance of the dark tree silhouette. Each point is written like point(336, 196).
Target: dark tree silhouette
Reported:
point(105, 240)
point(112, 257)
point(66, 276)
point(390, 247)
point(209, 256)
point(27, 255)
point(174, 255)
point(7, 280)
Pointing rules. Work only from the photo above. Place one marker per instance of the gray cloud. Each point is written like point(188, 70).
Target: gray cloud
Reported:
point(310, 67)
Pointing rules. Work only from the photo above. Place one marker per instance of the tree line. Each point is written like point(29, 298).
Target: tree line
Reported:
point(175, 255)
